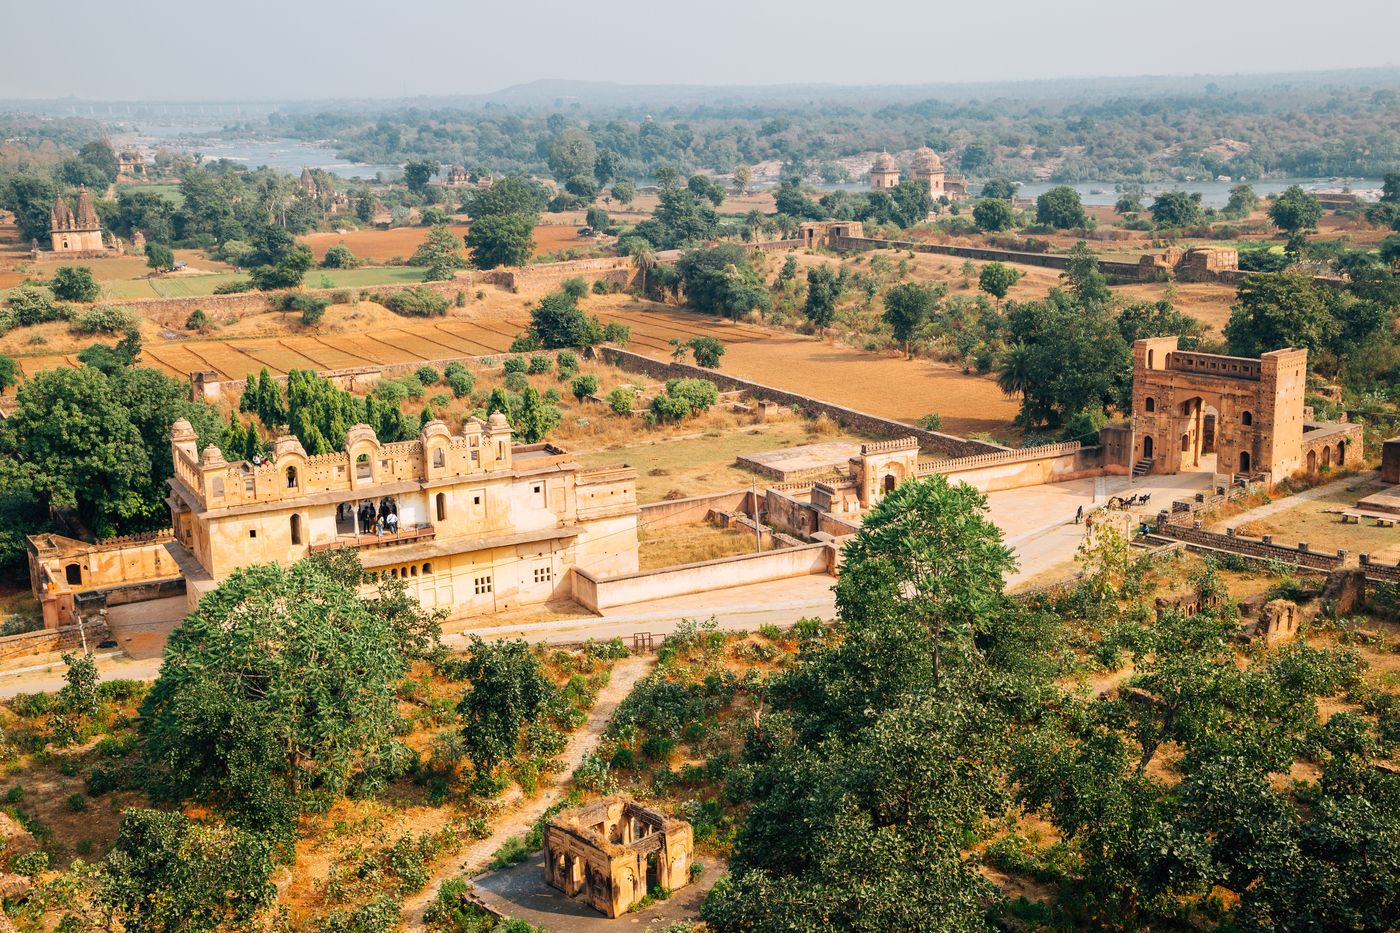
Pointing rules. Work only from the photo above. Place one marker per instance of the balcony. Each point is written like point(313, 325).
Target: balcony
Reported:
point(416, 534)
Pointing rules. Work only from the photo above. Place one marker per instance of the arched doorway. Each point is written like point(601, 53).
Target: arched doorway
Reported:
point(1327, 457)
point(889, 483)
point(1312, 461)
point(1244, 461)
point(1147, 446)
point(296, 528)
point(1341, 453)
point(73, 574)
point(1185, 444)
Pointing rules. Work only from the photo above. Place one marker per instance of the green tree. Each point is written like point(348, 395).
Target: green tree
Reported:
point(706, 351)
point(1295, 211)
point(277, 692)
point(1060, 208)
point(1242, 201)
point(643, 260)
point(1083, 275)
point(621, 399)
point(997, 278)
point(514, 194)
point(31, 199)
point(9, 372)
point(159, 257)
point(743, 177)
point(571, 152)
point(340, 257)
point(501, 240)
point(439, 254)
point(706, 187)
point(1041, 336)
point(681, 219)
point(722, 280)
point(583, 386)
point(508, 692)
point(557, 322)
point(907, 310)
point(75, 283)
point(824, 289)
point(418, 173)
point(1001, 188)
point(583, 187)
point(1281, 310)
point(536, 418)
point(1176, 209)
point(993, 215)
point(624, 192)
point(167, 874)
point(597, 218)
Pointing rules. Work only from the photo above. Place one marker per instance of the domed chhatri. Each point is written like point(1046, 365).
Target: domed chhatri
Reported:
point(928, 171)
point(926, 160)
point(884, 173)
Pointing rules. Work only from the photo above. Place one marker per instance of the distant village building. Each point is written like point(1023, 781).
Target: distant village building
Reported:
point(306, 184)
point(472, 523)
point(884, 173)
point(456, 177)
point(131, 164)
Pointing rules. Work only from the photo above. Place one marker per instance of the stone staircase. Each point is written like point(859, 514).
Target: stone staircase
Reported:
point(1143, 467)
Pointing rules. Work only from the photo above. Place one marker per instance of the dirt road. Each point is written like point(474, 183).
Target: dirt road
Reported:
point(518, 814)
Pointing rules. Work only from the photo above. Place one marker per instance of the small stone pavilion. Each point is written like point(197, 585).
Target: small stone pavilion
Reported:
point(609, 852)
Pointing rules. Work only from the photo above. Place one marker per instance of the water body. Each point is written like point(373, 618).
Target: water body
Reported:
point(285, 155)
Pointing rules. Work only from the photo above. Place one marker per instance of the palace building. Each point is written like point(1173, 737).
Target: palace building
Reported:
point(472, 522)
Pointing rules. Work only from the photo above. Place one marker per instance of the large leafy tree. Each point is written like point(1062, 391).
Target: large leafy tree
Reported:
point(722, 280)
point(1281, 310)
point(508, 692)
point(1041, 336)
point(907, 309)
point(439, 253)
point(501, 240)
point(572, 152)
point(1176, 209)
point(682, 219)
point(276, 692)
point(558, 322)
point(993, 214)
point(1060, 208)
point(30, 198)
point(824, 289)
point(1295, 211)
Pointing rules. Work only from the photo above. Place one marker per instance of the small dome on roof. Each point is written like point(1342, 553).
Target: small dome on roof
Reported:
point(884, 162)
point(498, 420)
point(926, 160)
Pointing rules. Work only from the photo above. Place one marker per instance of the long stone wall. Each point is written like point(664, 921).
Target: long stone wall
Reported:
point(671, 512)
point(597, 593)
point(1129, 270)
point(942, 445)
point(1265, 549)
point(51, 640)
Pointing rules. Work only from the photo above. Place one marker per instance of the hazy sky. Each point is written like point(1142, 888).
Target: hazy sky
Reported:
point(193, 49)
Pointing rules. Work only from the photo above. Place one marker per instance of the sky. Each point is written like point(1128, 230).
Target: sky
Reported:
point(314, 49)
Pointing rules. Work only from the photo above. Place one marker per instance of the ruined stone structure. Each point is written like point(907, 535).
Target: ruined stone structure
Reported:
point(456, 177)
point(77, 233)
point(884, 173)
point(130, 164)
point(306, 184)
point(1249, 411)
point(611, 851)
point(472, 523)
point(816, 234)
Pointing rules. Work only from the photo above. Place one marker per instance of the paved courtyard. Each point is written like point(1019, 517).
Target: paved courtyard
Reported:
point(521, 893)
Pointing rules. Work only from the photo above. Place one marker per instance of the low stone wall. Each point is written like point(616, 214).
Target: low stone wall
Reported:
point(692, 511)
point(943, 445)
point(1126, 270)
point(598, 593)
point(245, 302)
point(52, 640)
point(1265, 549)
point(1374, 570)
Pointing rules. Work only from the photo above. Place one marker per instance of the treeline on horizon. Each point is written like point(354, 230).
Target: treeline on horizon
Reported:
point(1291, 129)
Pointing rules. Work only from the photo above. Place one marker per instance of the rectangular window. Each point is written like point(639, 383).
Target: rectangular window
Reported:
point(476, 456)
point(252, 532)
point(544, 574)
point(482, 585)
point(248, 486)
point(476, 499)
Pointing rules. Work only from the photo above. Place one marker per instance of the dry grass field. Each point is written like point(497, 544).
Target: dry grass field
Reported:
point(400, 242)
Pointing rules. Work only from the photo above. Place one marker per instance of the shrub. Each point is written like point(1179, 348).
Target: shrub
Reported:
point(460, 383)
point(615, 332)
point(931, 422)
point(77, 803)
point(427, 375)
point(620, 400)
point(415, 302)
point(75, 283)
point(104, 319)
point(339, 257)
point(586, 385)
point(514, 364)
point(30, 864)
point(197, 320)
point(575, 287)
point(30, 304)
point(517, 382)
point(567, 360)
point(120, 690)
point(236, 287)
point(540, 363)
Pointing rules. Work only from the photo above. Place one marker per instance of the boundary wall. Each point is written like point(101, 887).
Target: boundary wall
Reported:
point(1259, 549)
point(944, 445)
point(598, 593)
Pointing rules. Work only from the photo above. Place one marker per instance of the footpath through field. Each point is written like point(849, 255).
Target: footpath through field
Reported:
point(517, 814)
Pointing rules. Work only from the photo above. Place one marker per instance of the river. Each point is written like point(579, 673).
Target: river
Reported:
point(285, 155)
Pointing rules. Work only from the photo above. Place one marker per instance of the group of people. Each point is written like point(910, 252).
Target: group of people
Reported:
point(371, 520)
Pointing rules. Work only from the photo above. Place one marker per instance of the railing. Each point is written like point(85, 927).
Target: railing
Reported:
point(402, 536)
point(899, 443)
point(1019, 455)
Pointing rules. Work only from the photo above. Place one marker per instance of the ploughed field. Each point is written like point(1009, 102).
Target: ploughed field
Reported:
point(400, 242)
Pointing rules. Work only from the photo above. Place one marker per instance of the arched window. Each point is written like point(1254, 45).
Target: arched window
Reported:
point(427, 569)
point(1150, 404)
point(291, 477)
point(442, 506)
point(73, 574)
point(1247, 418)
point(413, 571)
point(1149, 359)
point(296, 528)
point(439, 458)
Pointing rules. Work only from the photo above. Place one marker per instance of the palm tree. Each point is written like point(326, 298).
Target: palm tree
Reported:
point(1014, 370)
point(644, 260)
